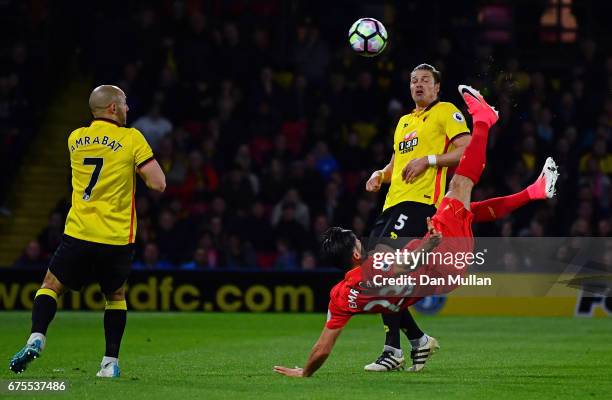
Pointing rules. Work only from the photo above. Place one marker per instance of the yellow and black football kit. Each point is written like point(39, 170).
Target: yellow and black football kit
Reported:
point(103, 158)
point(101, 225)
point(407, 205)
point(419, 134)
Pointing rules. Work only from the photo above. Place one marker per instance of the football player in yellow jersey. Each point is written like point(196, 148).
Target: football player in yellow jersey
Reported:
point(101, 224)
point(426, 142)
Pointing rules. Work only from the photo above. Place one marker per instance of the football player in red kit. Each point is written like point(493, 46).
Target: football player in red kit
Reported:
point(450, 230)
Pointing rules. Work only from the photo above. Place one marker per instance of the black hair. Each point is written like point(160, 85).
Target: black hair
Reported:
point(427, 67)
point(337, 247)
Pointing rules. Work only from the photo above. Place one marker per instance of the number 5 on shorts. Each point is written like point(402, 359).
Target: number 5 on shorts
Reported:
point(97, 162)
point(401, 221)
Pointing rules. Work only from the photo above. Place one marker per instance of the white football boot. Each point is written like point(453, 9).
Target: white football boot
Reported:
point(421, 354)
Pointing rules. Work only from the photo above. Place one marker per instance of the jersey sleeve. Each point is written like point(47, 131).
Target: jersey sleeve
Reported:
point(336, 320)
point(337, 315)
point(453, 122)
point(142, 150)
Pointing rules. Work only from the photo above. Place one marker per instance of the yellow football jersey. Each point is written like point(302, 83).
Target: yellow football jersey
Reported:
point(103, 158)
point(419, 134)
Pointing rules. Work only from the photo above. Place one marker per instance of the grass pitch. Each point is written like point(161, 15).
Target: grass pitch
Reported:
point(230, 356)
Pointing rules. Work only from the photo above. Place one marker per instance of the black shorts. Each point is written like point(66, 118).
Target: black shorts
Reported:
point(400, 223)
point(78, 262)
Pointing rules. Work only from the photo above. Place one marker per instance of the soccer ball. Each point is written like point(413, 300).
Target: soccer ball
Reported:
point(368, 37)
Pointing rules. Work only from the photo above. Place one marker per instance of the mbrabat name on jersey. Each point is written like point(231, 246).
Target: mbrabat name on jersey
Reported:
point(102, 140)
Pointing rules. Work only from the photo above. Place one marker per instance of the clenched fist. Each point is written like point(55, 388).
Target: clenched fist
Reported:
point(373, 184)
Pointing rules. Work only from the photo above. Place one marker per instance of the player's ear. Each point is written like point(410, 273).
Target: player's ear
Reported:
point(356, 255)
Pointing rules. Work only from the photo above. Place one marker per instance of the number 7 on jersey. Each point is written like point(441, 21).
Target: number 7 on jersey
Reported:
point(97, 162)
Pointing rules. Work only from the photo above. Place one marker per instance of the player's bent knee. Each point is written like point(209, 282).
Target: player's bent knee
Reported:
point(461, 186)
point(117, 295)
point(461, 183)
point(51, 282)
point(116, 300)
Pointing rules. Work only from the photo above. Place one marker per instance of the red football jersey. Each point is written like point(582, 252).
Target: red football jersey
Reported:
point(454, 222)
point(355, 295)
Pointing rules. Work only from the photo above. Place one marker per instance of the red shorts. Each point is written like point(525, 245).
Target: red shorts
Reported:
point(454, 222)
point(452, 219)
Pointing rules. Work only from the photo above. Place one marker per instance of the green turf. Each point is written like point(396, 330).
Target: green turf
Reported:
point(230, 356)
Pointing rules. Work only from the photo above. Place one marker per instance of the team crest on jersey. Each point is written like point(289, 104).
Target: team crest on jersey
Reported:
point(409, 141)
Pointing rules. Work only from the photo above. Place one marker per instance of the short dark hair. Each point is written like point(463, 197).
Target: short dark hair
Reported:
point(337, 247)
point(427, 67)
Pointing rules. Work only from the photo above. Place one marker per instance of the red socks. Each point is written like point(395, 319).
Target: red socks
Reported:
point(474, 157)
point(498, 207)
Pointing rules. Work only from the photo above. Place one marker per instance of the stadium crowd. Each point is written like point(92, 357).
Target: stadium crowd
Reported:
point(23, 89)
point(267, 130)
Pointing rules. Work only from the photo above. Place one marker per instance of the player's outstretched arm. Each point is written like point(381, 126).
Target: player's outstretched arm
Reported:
point(319, 353)
point(153, 175)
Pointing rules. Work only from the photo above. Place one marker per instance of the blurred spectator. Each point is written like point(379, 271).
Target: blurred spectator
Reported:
point(332, 202)
point(32, 257)
point(303, 175)
point(309, 262)
point(299, 102)
point(238, 190)
point(289, 229)
point(604, 228)
point(319, 226)
point(170, 239)
point(286, 258)
point(535, 229)
point(598, 159)
point(232, 55)
point(326, 163)
point(292, 198)
point(244, 162)
point(580, 227)
point(311, 53)
point(528, 154)
point(171, 163)
point(257, 229)
point(153, 126)
point(358, 226)
point(366, 210)
point(239, 254)
point(150, 259)
point(51, 236)
point(274, 182)
point(203, 258)
point(201, 180)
